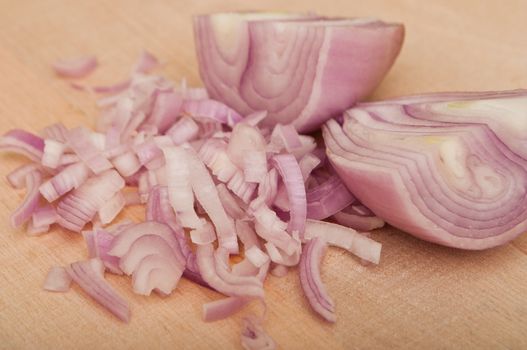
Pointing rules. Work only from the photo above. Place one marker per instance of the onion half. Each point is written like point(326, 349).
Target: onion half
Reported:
point(447, 168)
point(286, 63)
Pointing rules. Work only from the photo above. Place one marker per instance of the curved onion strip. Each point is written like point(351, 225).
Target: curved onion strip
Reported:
point(29, 204)
point(73, 176)
point(221, 258)
point(124, 241)
point(346, 238)
point(207, 267)
point(76, 67)
point(311, 282)
point(17, 178)
point(57, 280)
point(207, 195)
point(156, 273)
point(289, 170)
point(144, 246)
point(23, 143)
point(80, 206)
point(233, 206)
point(180, 188)
point(91, 280)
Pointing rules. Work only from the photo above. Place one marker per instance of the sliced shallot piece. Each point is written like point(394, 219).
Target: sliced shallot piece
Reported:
point(179, 186)
point(23, 143)
point(29, 204)
point(57, 280)
point(72, 176)
point(346, 238)
point(17, 178)
point(207, 268)
point(207, 195)
point(310, 280)
point(87, 274)
point(156, 273)
point(81, 143)
point(122, 245)
point(80, 206)
point(289, 170)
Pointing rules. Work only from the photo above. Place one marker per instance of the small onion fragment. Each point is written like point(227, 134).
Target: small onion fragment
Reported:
point(57, 280)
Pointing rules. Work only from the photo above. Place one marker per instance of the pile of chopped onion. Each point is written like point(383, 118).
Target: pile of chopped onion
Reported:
point(214, 185)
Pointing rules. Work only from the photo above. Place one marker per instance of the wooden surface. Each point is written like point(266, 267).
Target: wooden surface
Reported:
point(421, 296)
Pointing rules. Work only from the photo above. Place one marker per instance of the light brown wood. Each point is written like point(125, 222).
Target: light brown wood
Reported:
point(421, 296)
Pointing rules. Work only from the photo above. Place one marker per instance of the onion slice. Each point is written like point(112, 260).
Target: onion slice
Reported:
point(28, 206)
point(311, 282)
point(89, 277)
point(346, 238)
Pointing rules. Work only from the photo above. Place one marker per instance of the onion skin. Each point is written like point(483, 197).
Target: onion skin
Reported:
point(307, 56)
point(446, 168)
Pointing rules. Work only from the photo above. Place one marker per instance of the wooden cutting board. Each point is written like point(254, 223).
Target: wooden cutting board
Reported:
point(421, 296)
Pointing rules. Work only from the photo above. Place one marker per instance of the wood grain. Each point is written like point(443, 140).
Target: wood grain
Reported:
point(421, 296)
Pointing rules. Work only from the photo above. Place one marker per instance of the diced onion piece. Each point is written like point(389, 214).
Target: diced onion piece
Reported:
point(256, 256)
point(57, 280)
point(111, 208)
point(53, 151)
